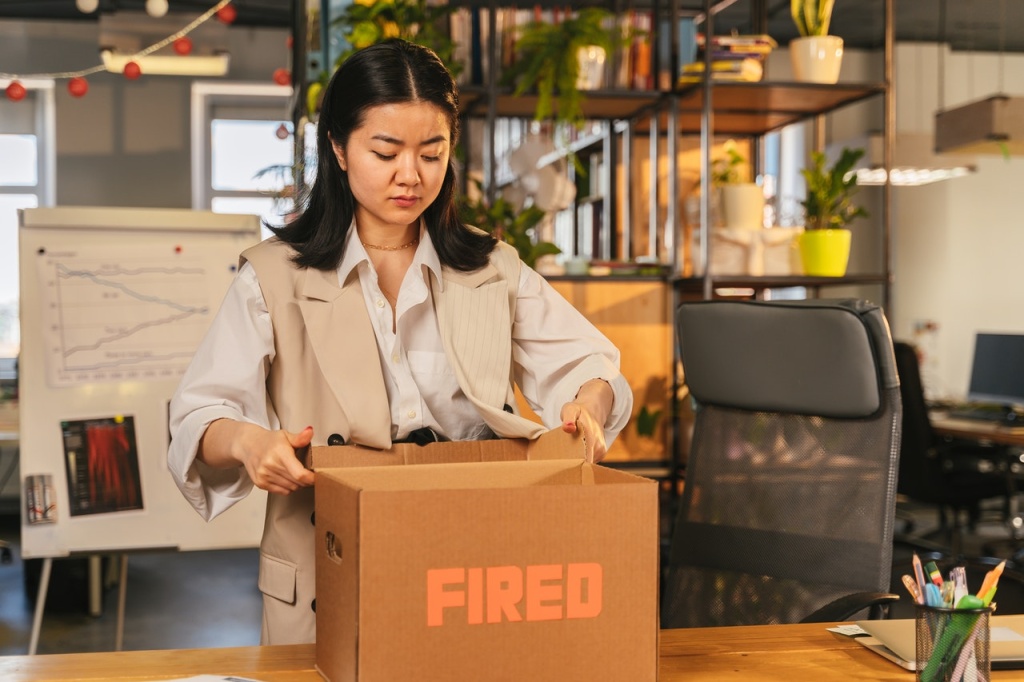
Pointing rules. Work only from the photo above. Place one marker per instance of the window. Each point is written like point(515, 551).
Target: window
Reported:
point(27, 134)
point(243, 149)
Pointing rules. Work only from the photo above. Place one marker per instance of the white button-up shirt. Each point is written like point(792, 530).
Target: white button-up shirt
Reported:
point(555, 350)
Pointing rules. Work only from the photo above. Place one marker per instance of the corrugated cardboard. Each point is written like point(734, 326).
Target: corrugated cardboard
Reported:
point(511, 566)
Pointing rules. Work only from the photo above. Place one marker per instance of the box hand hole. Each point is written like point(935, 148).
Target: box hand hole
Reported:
point(333, 547)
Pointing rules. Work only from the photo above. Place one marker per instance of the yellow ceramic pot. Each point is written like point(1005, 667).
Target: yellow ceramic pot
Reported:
point(825, 253)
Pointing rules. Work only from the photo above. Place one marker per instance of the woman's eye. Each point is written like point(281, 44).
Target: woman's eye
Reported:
point(384, 157)
point(431, 158)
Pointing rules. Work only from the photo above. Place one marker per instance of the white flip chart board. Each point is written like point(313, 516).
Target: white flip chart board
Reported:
point(114, 302)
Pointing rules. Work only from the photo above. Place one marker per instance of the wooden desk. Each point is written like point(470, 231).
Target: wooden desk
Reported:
point(977, 430)
point(770, 652)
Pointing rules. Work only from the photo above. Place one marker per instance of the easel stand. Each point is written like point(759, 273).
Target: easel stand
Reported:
point(95, 597)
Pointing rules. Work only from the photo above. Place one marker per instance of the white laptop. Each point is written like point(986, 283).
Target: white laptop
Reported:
point(894, 639)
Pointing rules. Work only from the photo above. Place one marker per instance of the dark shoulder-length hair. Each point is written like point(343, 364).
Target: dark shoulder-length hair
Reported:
point(394, 71)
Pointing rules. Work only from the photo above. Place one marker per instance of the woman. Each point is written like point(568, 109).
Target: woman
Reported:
point(376, 316)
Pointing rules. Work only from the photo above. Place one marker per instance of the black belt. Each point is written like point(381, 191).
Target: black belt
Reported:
point(421, 437)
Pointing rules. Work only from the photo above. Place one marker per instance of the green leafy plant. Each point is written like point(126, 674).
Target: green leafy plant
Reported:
point(547, 61)
point(830, 191)
point(417, 21)
point(726, 170)
point(512, 225)
point(812, 17)
point(647, 421)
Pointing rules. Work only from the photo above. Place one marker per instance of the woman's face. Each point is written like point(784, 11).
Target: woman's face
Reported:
point(396, 162)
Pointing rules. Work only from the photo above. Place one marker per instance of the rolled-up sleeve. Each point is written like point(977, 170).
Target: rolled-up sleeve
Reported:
point(555, 350)
point(226, 379)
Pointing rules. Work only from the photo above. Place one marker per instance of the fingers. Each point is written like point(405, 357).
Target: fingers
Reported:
point(272, 464)
point(577, 419)
point(570, 416)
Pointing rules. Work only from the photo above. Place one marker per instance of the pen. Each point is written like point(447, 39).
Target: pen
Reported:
point(933, 572)
point(911, 585)
point(991, 578)
point(919, 575)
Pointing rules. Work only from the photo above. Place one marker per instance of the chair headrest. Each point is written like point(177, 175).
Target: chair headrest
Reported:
point(820, 357)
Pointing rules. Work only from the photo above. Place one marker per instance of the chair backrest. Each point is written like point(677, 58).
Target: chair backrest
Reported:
point(920, 472)
point(790, 485)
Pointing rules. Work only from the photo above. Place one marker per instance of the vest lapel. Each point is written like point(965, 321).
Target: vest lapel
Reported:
point(473, 315)
point(346, 349)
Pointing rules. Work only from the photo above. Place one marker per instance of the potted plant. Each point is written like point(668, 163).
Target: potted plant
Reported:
point(548, 59)
point(742, 200)
point(828, 208)
point(362, 24)
point(816, 56)
point(506, 222)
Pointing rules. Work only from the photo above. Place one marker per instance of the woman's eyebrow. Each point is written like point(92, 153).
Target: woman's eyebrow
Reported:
point(394, 140)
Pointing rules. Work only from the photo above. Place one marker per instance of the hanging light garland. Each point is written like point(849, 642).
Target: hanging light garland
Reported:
point(78, 86)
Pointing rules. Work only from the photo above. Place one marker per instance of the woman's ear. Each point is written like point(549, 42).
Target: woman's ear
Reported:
point(339, 154)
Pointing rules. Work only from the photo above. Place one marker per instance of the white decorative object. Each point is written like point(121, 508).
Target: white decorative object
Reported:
point(743, 206)
point(769, 251)
point(816, 59)
point(591, 74)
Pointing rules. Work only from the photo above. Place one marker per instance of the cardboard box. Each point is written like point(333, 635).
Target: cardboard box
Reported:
point(513, 566)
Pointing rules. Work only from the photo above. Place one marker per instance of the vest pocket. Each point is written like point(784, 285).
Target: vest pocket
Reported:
point(277, 578)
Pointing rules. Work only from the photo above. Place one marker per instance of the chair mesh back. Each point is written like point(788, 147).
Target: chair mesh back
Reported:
point(782, 513)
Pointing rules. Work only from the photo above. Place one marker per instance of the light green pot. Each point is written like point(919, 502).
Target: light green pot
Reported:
point(825, 253)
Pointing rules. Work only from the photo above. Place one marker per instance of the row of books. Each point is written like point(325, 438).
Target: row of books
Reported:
point(733, 58)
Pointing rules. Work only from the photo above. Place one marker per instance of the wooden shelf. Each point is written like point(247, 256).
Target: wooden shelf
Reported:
point(749, 109)
point(598, 105)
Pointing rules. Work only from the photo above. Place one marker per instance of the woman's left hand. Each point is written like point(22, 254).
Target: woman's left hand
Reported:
point(577, 419)
point(587, 414)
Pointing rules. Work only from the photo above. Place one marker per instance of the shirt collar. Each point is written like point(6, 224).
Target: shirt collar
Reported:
point(355, 253)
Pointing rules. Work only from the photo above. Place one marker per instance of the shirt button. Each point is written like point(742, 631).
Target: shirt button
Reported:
point(411, 414)
point(396, 357)
point(380, 303)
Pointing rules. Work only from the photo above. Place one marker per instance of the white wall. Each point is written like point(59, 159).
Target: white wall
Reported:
point(958, 245)
point(126, 143)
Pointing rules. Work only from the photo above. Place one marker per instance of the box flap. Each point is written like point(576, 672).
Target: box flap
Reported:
point(554, 444)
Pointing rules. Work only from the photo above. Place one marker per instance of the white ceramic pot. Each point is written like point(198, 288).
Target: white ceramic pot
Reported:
point(743, 206)
point(816, 59)
point(591, 76)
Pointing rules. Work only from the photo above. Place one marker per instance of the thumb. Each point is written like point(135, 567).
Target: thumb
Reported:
point(300, 439)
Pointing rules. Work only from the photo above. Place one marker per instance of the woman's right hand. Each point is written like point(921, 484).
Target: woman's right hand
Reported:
point(269, 457)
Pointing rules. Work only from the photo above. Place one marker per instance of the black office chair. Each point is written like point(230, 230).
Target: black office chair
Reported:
point(787, 508)
point(953, 476)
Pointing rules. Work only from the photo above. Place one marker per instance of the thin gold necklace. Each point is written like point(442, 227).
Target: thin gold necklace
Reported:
point(380, 247)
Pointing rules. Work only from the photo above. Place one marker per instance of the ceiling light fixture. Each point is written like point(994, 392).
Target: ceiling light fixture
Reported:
point(993, 125)
point(914, 162)
point(168, 65)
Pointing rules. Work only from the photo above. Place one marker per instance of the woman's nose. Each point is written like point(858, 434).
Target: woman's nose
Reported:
point(408, 174)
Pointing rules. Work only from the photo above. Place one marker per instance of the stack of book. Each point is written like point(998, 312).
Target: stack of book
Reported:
point(733, 58)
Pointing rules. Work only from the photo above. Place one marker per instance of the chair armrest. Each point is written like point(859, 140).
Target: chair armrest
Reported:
point(844, 608)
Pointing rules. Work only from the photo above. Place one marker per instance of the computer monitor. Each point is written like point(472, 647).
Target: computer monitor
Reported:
point(997, 374)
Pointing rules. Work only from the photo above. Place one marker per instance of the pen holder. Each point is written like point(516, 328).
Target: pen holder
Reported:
point(953, 644)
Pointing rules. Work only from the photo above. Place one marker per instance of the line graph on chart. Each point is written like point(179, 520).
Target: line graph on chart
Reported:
point(121, 317)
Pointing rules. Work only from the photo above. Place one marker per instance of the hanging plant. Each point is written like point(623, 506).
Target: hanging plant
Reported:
point(547, 62)
point(362, 25)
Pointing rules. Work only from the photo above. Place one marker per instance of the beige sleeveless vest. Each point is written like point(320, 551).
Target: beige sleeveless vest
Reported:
point(327, 374)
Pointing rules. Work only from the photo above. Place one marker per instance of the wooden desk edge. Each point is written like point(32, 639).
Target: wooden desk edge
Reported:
point(749, 653)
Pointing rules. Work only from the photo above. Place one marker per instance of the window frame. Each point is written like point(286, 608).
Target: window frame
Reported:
point(40, 94)
point(207, 97)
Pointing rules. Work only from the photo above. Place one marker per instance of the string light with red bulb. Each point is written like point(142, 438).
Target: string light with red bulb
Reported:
point(77, 84)
point(183, 46)
point(15, 91)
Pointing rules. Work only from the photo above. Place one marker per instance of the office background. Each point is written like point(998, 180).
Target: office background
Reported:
point(957, 244)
